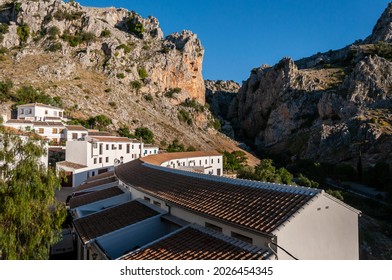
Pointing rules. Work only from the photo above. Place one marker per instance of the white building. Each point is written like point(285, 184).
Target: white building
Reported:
point(74, 132)
point(206, 162)
point(172, 214)
point(94, 155)
point(25, 136)
point(40, 112)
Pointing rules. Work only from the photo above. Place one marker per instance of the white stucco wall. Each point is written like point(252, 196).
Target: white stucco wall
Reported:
point(76, 151)
point(213, 164)
point(324, 230)
point(38, 113)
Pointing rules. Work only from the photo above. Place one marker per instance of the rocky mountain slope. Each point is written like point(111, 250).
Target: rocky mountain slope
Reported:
point(329, 107)
point(109, 61)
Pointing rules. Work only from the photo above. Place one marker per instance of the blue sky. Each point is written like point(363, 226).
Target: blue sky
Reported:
point(243, 34)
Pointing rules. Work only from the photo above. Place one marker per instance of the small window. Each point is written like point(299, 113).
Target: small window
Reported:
point(200, 162)
point(40, 130)
point(95, 161)
point(107, 159)
point(147, 199)
point(206, 161)
point(46, 112)
point(157, 203)
point(100, 160)
point(132, 147)
point(54, 131)
point(242, 237)
point(212, 161)
point(107, 147)
point(120, 147)
point(113, 147)
point(22, 111)
point(218, 160)
point(74, 136)
point(61, 114)
point(30, 111)
point(128, 148)
point(213, 227)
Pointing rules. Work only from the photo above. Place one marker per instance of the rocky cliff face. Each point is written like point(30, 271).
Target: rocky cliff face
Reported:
point(113, 62)
point(114, 41)
point(328, 107)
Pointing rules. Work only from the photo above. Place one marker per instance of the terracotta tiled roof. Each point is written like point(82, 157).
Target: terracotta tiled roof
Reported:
point(94, 196)
point(112, 219)
point(112, 139)
point(100, 176)
point(76, 128)
point(57, 124)
point(260, 207)
point(70, 164)
point(96, 183)
point(53, 118)
point(195, 243)
point(99, 133)
point(161, 158)
point(19, 121)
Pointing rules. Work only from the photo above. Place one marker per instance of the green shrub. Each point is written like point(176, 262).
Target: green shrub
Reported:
point(113, 104)
point(23, 32)
point(142, 73)
point(99, 122)
point(124, 47)
point(105, 33)
point(148, 97)
point(78, 38)
point(54, 47)
point(120, 76)
point(135, 28)
point(136, 85)
point(61, 15)
point(3, 28)
point(172, 91)
point(184, 116)
point(175, 146)
point(165, 50)
point(5, 90)
point(144, 133)
point(108, 90)
point(53, 32)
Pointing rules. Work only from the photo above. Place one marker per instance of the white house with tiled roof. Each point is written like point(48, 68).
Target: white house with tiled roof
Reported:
point(40, 112)
point(264, 220)
point(93, 155)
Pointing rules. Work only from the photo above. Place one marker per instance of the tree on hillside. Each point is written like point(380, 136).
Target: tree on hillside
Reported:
point(30, 218)
point(234, 161)
point(144, 133)
point(175, 146)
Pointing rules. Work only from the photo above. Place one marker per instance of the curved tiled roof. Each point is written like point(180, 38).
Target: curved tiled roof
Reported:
point(161, 158)
point(256, 206)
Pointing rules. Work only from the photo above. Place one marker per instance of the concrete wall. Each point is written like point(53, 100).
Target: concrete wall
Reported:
point(324, 230)
point(76, 151)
